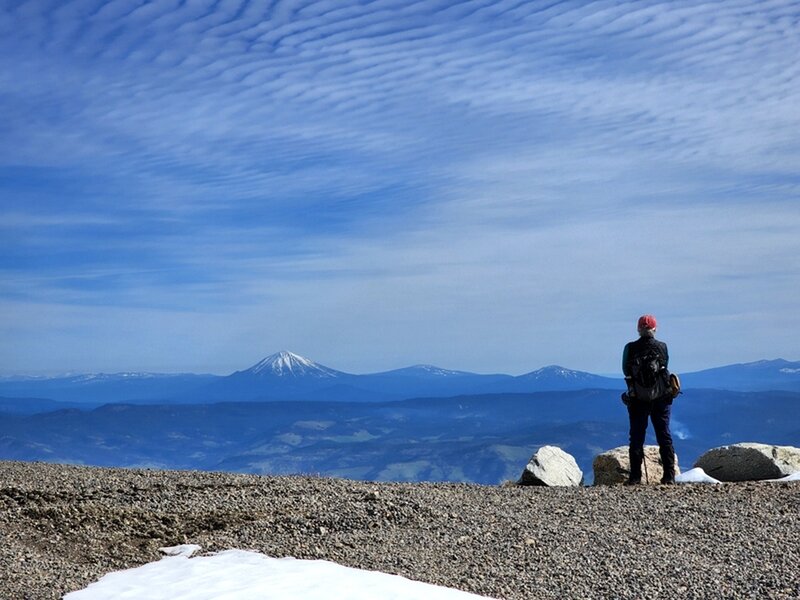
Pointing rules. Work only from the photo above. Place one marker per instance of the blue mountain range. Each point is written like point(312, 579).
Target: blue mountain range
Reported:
point(287, 376)
point(287, 414)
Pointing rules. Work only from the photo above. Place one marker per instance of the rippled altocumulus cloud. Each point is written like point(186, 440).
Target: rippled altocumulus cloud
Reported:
point(461, 178)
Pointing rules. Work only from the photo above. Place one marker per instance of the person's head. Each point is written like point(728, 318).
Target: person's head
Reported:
point(647, 326)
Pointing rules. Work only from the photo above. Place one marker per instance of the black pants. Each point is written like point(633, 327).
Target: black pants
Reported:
point(658, 411)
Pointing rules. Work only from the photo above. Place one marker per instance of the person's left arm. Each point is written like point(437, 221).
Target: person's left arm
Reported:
point(626, 367)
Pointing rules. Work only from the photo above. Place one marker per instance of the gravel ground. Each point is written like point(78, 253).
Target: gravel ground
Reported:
point(63, 527)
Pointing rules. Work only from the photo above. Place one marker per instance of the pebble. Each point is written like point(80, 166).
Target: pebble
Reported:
point(63, 527)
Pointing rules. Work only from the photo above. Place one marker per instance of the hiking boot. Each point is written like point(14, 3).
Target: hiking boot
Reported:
point(635, 456)
point(632, 481)
point(668, 463)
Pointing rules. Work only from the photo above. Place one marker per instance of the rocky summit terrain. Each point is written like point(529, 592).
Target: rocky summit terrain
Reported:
point(63, 527)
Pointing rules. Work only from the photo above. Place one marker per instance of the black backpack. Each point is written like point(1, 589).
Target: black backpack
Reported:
point(650, 375)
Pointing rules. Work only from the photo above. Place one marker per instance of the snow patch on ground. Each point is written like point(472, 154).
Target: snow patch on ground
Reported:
point(792, 477)
point(243, 575)
point(696, 475)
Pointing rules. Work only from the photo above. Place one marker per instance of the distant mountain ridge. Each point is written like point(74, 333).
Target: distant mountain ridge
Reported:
point(417, 370)
point(102, 388)
point(289, 376)
point(777, 374)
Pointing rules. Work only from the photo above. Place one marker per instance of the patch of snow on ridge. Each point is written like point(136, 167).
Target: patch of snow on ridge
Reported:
point(433, 370)
point(93, 377)
point(252, 576)
point(77, 378)
point(555, 370)
point(423, 370)
point(790, 371)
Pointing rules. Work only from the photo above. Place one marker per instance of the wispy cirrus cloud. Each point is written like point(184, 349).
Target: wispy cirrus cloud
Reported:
point(224, 155)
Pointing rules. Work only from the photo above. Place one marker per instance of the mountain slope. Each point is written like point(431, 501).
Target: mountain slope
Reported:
point(102, 387)
point(776, 374)
point(483, 438)
point(424, 371)
point(556, 378)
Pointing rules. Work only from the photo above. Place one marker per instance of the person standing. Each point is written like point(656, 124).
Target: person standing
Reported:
point(644, 364)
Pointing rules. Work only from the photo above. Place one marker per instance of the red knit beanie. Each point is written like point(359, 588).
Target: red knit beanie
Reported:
point(646, 322)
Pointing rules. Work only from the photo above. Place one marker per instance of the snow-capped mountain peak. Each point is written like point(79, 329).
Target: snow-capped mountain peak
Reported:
point(288, 364)
point(556, 371)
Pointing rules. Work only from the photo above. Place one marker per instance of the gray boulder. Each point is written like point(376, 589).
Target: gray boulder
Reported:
point(614, 467)
point(552, 467)
point(750, 462)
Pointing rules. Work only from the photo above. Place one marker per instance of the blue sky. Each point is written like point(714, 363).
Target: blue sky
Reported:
point(190, 185)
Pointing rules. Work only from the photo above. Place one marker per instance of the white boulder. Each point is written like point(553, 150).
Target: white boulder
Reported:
point(551, 466)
